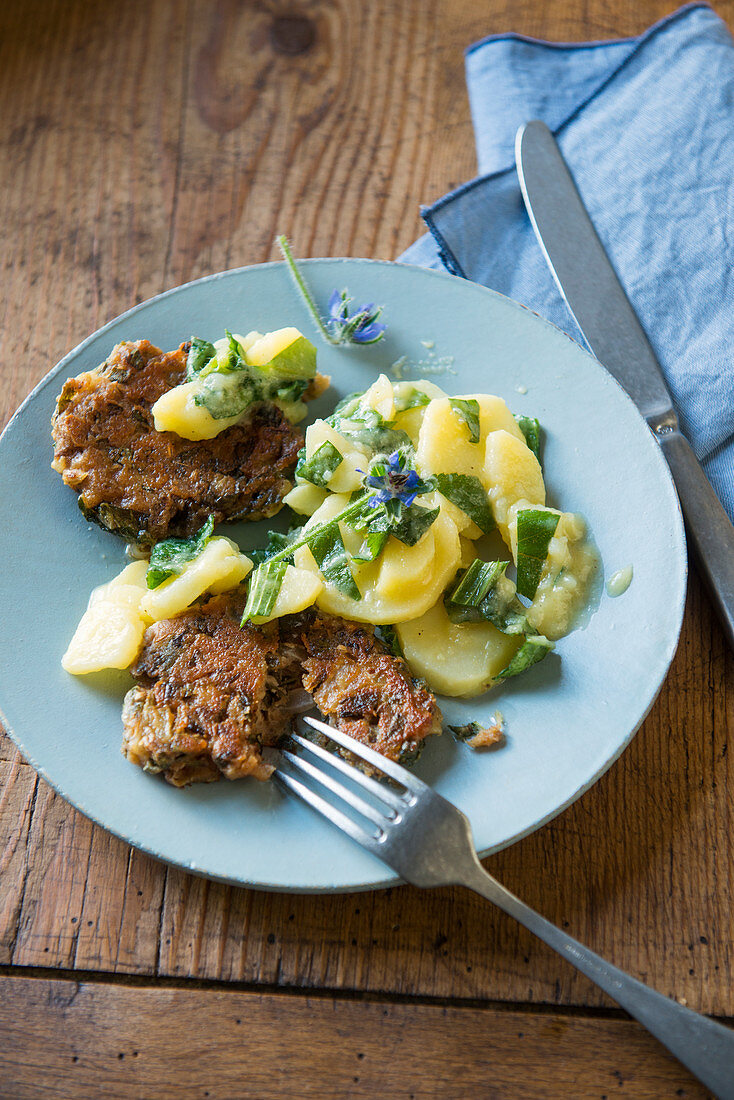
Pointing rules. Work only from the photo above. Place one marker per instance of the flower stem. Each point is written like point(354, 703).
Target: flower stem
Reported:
point(285, 250)
point(352, 509)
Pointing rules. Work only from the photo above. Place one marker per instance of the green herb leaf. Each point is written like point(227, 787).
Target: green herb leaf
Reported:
point(468, 493)
point(293, 391)
point(414, 523)
point(277, 543)
point(227, 394)
point(484, 592)
point(534, 649)
point(535, 529)
point(265, 584)
point(327, 546)
point(372, 546)
point(319, 468)
point(380, 440)
point(168, 558)
point(530, 428)
point(389, 635)
point(231, 362)
point(468, 411)
point(411, 398)
point(408, 525)
point(200, 352)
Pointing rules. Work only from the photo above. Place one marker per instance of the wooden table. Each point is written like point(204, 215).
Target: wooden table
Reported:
point(149, 142)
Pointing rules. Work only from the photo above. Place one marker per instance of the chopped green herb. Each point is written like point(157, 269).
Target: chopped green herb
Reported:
point(530, 428)
point(411, 398)
point(484, 592)
point(319, 468)
point(414, 523)
point(293, 391)
point(534, 649)
point(327, 546)
point(379, 439)
point(265, 584)
point(228, 384)
point(468, 493)
point(168, 558)
point(408, 524)
point(372, 546)
point(200, 353)
point(468, 411)
point(535, 529)
point(225, 394)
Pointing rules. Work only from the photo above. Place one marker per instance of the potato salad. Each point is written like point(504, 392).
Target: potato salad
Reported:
point(419, 513)
point(417, 507)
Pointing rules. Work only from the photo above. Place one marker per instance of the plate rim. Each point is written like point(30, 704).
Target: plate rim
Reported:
point(391, 878)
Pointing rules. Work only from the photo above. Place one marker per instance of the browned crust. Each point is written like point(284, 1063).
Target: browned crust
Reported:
point(195, 712)
point(365, 691)
point(210, 695)
point(147, 485)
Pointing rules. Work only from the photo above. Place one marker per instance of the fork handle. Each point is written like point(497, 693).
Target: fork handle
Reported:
point(705, 1047)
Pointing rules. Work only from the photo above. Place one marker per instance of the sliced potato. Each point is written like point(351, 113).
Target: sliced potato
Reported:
point(176, 411)
point(380, 397)
point(513, 477)
point(467, 528)
point(299, 590)
point(108, 636)
point(493, 416)
point(410, 420)
point(348, 475)
point(111, 629)
point(273, 346)
point(222, 346)
point(402, 583)
point(456, 659)
point(132, 575)
point(468, 552)
point(219, 567)
point(444, 446)
point(320, 432)
point(305, 498)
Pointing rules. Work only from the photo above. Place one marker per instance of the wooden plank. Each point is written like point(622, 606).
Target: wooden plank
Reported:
point(185, 160)
point(61, 1039)
point(18, 786)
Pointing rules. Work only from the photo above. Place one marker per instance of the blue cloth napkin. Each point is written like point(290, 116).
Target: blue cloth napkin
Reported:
point(647, 127)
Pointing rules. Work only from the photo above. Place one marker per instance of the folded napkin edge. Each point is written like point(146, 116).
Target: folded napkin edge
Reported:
point(641, 40)
point(515, 36)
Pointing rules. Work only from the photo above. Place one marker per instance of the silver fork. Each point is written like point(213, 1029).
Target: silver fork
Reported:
point(429, 843)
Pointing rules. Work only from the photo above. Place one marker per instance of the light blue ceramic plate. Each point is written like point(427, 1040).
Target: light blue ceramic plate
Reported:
point(567, 719)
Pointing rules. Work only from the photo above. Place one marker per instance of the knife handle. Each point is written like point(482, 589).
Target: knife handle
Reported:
point(709, 528)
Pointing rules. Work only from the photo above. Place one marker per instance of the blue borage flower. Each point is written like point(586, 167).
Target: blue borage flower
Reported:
point(358, 327)
point(393, 482)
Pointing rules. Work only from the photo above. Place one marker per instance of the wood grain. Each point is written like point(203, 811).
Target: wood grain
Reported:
point(63, 1038)
point(148, 143)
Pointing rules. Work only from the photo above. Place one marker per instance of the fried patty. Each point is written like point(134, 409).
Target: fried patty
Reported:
point(210, 695)
point(146, 485)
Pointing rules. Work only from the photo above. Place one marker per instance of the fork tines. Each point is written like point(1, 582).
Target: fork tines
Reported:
point(387, 802)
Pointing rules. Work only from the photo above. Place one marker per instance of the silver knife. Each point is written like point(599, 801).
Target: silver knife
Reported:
point(595, 296)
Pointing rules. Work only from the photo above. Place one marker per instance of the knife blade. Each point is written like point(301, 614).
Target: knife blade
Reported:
point(592, 290)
